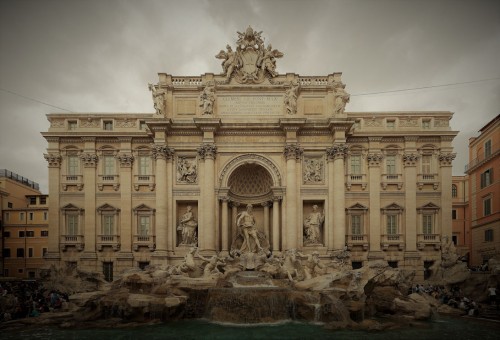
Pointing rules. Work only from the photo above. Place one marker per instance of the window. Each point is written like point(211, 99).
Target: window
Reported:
point(7, 216)
point(30, 216)
point(390, 162)
point(108, 125)
point(454, 238)
point(487, 149)
point(454, 191)
point(33, 200)
point(6, 252)
point(144, 165)
point(356, 164)
point(20, 252)
point(45, 216)
point(21, 217)
point(73, 163)
point(356, 224)
point(391, 124)
point(30, 252)
point(21, 234)
point(486, 178)
point(143, 226)
point(426, 164)
point(44, 233)
point(109, 165)
point(107, 224)
point(107, 269)
point(72, 221)
point(392, 224)
point(72, 125)
point(392, 264)
point(6, 234)
point(30, 233)
point(10, 205)
point(142, 125)
point(426, 124)
point(488, 235)
point(43, 200)
point(427, 224)
point(454, 214)
point(487, 206)
point(44, 251)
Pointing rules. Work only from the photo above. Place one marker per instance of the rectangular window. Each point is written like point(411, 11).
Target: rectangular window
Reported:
point(107, 226)
point(108, 125)
point(486, 178)
point(30, 252)
point(21, 234)
point(487, 149)
point(44, 251)
point(30, 216)
point(45, 216)
point(72, 125)
point(73, 163)
point(7, 216)
point(107, 269)
point(426, 124)
point(454, 214)
point(73, 225)
point(143, 225)
point(20, 252)
point(390, 162)
point(426, 164)
point(10, 205)
point(33, 200)
point(30, 233)
point(21, 217)
point(454, 239)
point(488, 235)
point(44, 233)
point(487, 206)
point(391, 124)
point(392, 224)
point(43, 200)
point(6, 252)
point(109, 165)
point(356, 164)
point(144, 165)
point(356, 224)
point(6, 234)
point(427, 224)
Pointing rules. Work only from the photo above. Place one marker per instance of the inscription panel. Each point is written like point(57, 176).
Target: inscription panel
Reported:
point(250, 105)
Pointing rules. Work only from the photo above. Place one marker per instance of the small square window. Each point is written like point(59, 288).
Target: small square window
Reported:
point(21, 234)
point(30, 233)
point(10, 205)
point(72, 125)
point(43, 200)
point(44, 233)
point(33, 200)
point(6, 252)
point(108, 125)
point(20, 252)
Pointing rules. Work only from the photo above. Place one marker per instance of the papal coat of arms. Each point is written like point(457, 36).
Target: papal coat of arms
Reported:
point(251, 62)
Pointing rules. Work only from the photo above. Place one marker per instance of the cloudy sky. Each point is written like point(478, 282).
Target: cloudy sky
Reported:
point(99, 56)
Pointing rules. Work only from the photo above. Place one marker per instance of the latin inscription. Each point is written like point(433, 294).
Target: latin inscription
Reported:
point(250, 105)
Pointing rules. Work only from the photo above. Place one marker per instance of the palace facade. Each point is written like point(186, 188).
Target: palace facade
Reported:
point(127, 190)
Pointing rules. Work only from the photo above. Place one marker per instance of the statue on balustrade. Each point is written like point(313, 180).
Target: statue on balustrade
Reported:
point(312, 227)
point(188, 227)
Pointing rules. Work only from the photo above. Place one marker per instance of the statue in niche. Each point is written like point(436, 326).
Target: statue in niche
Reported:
point(312, 171)
point(158, 99)
point(341, 98)
point(312, 227)
point(290, 99)
point(187, 226)
point(249, 239)
point(230, 62)
point(207, 98)
point(186, 171)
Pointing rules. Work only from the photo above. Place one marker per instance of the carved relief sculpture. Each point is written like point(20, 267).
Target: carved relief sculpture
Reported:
point(290, 99)
point(186, 170)
point(188, 228)
point(341, 98)
point(207, 98)
point(313, 170)
point(312, 227)
point(158, 99)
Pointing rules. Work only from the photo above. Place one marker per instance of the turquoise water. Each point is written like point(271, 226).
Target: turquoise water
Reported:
point(446, 328)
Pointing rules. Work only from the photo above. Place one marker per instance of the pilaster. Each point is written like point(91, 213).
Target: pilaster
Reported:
point(292, 153)
point(90, 160)
point(445, 165)
point(374, 159)
point(126, 160)
point(207, 233)
point(410, 162)
point(54, 163)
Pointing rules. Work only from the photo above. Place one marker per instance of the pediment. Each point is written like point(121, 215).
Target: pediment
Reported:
point(357, 206)
point(106, 207)
point(143, 207)
point(429, 206)
point(393, 206)
point(70, 207)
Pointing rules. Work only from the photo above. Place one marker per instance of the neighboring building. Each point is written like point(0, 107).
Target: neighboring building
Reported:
point(484, 188)
point(14, 190)
point(461, 215)
point(120, 184)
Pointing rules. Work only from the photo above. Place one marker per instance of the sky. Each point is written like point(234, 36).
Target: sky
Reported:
point(98, 56)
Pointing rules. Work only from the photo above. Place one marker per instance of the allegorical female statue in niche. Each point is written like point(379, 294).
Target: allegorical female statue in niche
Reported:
point(187, 226)
point(312, 227)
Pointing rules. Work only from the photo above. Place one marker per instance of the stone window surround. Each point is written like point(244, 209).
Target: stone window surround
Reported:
point(142, 240)
point(112, 239)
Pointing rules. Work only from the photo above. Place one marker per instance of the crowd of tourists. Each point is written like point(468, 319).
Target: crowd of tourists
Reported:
point(22, 299)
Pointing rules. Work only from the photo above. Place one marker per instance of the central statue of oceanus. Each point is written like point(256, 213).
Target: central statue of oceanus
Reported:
point(249, 239)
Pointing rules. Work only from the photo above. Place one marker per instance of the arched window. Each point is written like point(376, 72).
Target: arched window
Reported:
point(454, 191)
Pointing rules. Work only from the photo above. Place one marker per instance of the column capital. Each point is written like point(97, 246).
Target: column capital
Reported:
point(446, 159)
point(126, 160)
point(374, 159)
point(410, 159)
point(54, 159)
point(336, 151)
point(224, 199)
point(89, 159)
point(162, 151)
point(265, 204)
point(207, 151)
point(293, 151)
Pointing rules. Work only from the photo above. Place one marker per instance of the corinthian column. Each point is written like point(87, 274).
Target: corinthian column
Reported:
point(445, 161)
point(374, 160)
point(410, 163)
point(161, 153)
point(54, 160)
point(336, 196)
point(292, 153)
point(126, 161)
point(207, 232)
point(225, 224)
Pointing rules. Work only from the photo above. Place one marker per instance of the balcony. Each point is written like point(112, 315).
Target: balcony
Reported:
point(112, 241)
point(144, 180)
point(144, 241)
point(392, 240)
point(355, 179)
point(76, 241)
point(482, 158)
point(392, 179)
point(69, 180)
point(423, 179)
point(357, 240)
point(112, 180)
point(428, 240)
